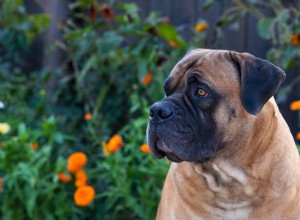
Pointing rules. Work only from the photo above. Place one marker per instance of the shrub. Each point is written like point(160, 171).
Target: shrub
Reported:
point(97, 108)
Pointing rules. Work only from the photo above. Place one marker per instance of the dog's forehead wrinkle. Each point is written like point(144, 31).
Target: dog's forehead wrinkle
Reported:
point(183, 67)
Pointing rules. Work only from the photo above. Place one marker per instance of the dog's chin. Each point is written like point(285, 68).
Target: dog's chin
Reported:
point(173, 158)
point(160, 150)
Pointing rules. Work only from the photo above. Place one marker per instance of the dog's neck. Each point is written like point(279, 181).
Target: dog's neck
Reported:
point(217, 188)
point(235, 191)
point(264, 149)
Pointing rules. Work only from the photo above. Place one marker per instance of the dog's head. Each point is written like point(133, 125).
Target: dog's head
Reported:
point(210, 98)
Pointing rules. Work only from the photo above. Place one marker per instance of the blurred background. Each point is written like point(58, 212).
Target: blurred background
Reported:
point(77, 78)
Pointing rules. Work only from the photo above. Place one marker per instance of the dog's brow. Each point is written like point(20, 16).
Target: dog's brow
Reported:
point(167, 86)
point(194, 77)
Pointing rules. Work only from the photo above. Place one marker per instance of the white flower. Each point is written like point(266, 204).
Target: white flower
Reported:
point(4, 128)
point(2, 105)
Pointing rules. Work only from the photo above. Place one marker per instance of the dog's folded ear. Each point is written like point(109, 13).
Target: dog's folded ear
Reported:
point(260, 80)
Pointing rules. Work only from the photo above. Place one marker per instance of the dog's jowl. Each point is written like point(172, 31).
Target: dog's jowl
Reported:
point(232, 153)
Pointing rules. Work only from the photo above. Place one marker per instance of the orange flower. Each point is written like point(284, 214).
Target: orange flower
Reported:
point(295, 39)
point(88, 116)
point(200, 27)
point(145, 148)
point(107, 12)
point(1, 184)
point(173, 43)
point(81, 178)
point(64, 177)
point(76, 161)
point(84, 195)
point(298, 136)
point(295, 105)
point(92, 12)
point(34, 146)
point(115, 143)
point(148, 78)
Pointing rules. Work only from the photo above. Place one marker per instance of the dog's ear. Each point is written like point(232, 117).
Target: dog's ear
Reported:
point(260, 80)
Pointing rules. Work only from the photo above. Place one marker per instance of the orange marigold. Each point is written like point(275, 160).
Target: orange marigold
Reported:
point(34, 146)
point(295, 39)
point(145, 148)
point(298, 136)
point(115, 143)
point(295, 105)
point(200, 27)
point(84, 195)
point(76, 161)
point(148, 78)
point(64, 177)
point(88, 116)
point(107, 12)
point(81, 178)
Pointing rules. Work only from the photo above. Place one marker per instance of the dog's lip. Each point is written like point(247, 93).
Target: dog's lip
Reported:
point(173, 158)
point(164, 148)
point(156, 151)
point(160, 150)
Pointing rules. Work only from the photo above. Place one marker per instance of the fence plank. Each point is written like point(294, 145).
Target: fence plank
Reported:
point(163, 7)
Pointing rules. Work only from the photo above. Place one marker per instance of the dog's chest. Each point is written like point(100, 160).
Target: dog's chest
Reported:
point(234, 193)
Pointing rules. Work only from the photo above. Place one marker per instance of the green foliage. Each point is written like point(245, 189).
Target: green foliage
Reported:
point(277, 22)
point(106, 65)
point(17, 31)
point(31, 186)
point(133, 179)
point(108, 58)
point(20, 29)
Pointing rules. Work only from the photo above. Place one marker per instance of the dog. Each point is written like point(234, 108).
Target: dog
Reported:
point(233, 155)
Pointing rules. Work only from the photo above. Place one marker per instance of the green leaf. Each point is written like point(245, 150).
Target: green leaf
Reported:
point(208, 4)
point(88, 65)
point(142, 68)
point(130, 8)
point(22, 132)
point(283, 16)
point(58, 137)
point(49, 126)
point(31, 201)
point(264, 28)
point(60, 165)
point(110, 41)
point(167, 32)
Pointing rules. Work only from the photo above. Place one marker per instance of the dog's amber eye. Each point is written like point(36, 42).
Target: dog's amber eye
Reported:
point(201, 93)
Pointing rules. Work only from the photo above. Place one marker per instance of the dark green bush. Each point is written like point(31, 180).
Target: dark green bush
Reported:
point(114, 69)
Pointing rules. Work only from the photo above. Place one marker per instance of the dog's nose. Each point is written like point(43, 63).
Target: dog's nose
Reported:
point(160, 112)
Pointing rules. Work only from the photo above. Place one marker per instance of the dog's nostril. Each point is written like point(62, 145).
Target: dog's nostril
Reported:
point(160, 111)
point(151, 114)
point(165, 113)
